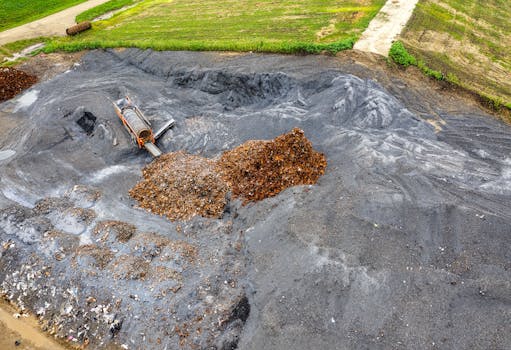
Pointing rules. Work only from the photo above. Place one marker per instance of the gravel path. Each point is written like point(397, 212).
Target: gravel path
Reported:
point(55, 24)
point(386, 26)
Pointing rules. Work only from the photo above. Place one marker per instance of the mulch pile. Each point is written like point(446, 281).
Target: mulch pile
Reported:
point(260, 169)
point(181, 185)
point(14, 81)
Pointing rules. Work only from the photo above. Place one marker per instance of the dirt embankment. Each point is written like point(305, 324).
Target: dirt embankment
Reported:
point(469, 42)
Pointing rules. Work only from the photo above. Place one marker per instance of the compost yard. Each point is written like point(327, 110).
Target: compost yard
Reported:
point(401, 242)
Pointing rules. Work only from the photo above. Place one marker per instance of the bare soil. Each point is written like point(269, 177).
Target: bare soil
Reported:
point(46, 66)
point(22, 333)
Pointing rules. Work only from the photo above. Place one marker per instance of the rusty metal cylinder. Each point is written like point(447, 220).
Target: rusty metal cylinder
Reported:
point(141, 129)
point(78, 28)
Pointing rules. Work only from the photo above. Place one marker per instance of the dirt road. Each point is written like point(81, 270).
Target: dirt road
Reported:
point(22, 333)
point(55, 24)
point(386, 26)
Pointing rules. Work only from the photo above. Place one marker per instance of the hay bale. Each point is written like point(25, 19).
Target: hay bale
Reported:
point(78, 28)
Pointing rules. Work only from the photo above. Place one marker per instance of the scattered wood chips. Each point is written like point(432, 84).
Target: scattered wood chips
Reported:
point(181, 186)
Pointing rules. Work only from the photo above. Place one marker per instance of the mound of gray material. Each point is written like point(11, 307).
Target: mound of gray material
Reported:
point(404, 243)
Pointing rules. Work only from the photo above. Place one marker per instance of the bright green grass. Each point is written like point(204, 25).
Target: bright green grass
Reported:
point(8, 50)
point(97, 11)
point(238, 25)
point(466, 39)
point(16, 12)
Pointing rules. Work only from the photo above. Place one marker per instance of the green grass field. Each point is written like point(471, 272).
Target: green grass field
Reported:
point(103, 8)
point(8, 50)
point(239, 25)
point(16, 12)
point(468, 41)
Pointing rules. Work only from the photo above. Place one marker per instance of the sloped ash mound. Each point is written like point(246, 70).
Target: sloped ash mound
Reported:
point(180, 185)
point(403, 244)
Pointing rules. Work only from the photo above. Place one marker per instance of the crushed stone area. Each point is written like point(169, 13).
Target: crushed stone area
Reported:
point(401, 243)
point(14, 81)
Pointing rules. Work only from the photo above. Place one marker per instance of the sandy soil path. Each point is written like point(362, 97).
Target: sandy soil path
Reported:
point(55, 24)
point(23, 330)
point(386, 26)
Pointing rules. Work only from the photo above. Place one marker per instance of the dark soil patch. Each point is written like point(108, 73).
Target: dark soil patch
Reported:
point(87, 122)
point(241, 311)
point(14, 81)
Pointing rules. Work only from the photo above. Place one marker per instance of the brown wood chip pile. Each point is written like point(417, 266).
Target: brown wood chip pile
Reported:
point(180, 186)
point(14, 81)
point(260, 169)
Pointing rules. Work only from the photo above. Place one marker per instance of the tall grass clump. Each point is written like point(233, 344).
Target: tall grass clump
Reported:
point(400, 55)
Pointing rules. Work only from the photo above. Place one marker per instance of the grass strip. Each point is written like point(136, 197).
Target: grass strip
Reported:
point(178, 45)
point(301, 26)
point(8, 50)
point(99, 10)
point(400, 55)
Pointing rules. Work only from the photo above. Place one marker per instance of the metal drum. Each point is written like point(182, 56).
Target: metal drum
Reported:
point(139, 127)
point(80, 27)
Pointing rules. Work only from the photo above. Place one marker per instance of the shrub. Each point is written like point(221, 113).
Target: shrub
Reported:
point(399, 55)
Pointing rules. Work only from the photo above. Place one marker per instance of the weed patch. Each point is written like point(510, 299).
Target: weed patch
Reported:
point(399, 55)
